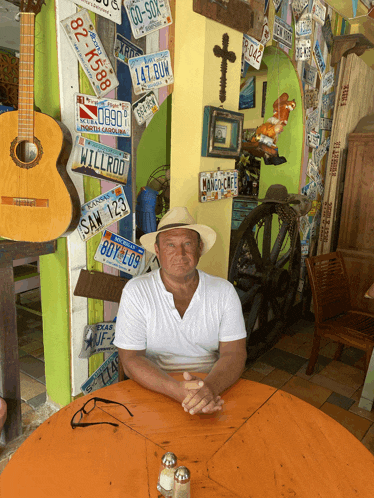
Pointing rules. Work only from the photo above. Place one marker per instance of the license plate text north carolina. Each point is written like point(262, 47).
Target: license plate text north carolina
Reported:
point(90, 52)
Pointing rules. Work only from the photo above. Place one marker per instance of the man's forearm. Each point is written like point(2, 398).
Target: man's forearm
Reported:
point(148, 375)
point(225, 372)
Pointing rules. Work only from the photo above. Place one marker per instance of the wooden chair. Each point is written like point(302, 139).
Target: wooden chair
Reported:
point(334, 317)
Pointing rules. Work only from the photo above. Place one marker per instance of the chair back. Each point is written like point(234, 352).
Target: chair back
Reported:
point(330, 285)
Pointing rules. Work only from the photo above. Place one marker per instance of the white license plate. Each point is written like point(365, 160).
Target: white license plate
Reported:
point(309, 74)
point(298, 7)
point(313, 139)
point(98, 338)
point(321, 150)
point(319, 12)
point(102, 116)
point(282, 32)
point(328, 80)
point(101, 212)
point(100, 161)
point(312, 120)
point(90, 52)
point(146, 16)
point(120, 253)
point(311, 98)
point(252, 51)
point(151, 71)
point(145, 108)
point(302, 49)
point(328, 101)
point(104, 376)
point(124, 49)
point(318, 57)
point(265, 31)
point(326, 124)
point(111, 9)
point(303, 26)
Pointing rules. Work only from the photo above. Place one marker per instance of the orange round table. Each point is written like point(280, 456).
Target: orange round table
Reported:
point(264, 443)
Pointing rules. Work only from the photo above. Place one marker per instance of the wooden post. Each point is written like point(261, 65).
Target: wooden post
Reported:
point(10, 388)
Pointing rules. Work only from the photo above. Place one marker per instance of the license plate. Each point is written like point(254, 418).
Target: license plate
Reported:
point(282, 32)
point(101, 212)
point(312, 171)
point(124, 49)
point(312, 120)
point(328, 80)
point(328, 101)
point(104, 376)
point(102, 116)
point(298, 7)
point(145, 108)
point(277, 4)
point(120, 253)
point(252, 51)
point(216, 185)
point(327, 33)
point(321, 150)
point(303, 26)
point(265, 37)
point(151, 71)
point(146, 16)
point(100, 161)
point(326, 124)
point(313, 139)
point(309, 74)
point(319, 12)
point(105, 8)
point(311, 98)
point(98, 338)
point(90, 52)
point(318, 57)
point(302, 47)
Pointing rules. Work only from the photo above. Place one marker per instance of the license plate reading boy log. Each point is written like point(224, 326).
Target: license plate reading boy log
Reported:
point(102, 211)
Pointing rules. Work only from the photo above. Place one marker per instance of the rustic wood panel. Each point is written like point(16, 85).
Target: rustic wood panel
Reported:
point(360, 270)
point(97, 285)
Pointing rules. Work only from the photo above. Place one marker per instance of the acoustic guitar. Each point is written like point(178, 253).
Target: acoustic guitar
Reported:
point(38, 200)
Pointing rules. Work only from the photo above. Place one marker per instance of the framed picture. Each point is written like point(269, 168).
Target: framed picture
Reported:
point(222, 132)
point(247, 96)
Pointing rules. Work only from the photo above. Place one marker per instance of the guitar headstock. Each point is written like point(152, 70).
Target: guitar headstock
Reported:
point(31, 6)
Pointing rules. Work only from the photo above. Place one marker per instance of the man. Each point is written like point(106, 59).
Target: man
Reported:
point(178, 318)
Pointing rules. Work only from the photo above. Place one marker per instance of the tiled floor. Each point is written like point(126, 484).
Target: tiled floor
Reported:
point(335, 387)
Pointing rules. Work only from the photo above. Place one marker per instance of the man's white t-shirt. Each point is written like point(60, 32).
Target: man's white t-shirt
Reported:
point(148, 319)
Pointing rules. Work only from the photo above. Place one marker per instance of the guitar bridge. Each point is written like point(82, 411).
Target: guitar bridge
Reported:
point(24, 202)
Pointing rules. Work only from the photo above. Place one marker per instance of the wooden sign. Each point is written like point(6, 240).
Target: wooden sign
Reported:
point(97, 285)
point(246, 16)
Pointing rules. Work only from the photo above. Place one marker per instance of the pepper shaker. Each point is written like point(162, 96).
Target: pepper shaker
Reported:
point(182, 483)
point(165, 482)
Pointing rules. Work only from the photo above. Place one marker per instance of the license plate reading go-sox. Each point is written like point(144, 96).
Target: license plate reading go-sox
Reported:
point(103, 116)
point(119, 253)
point(252, 51)
point(147, 16)
point(101, 212)
point(90, 52)
point(151, 71)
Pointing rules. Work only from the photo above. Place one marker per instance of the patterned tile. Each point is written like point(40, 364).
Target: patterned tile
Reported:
point(311, 393)
point(356, 425)
point(282, 360)
point(277, 378)
point(262, 368)
point(340, 400)
point(324, 381)
point(32, 366)
point(344, 374)
point(253, 375)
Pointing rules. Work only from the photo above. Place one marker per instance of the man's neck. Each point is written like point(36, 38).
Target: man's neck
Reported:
point(177, 285)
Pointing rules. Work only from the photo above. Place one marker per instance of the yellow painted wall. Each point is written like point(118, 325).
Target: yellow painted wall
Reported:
point(197, 74)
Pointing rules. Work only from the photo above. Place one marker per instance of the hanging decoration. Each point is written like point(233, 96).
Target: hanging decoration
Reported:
point(226, 56)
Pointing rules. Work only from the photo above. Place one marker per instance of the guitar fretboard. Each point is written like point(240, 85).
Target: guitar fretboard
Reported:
point(26, 79)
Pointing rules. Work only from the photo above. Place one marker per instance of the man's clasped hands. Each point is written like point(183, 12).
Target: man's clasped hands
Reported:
point(200, 397)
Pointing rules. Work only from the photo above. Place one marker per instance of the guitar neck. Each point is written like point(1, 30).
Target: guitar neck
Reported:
point(26, 79)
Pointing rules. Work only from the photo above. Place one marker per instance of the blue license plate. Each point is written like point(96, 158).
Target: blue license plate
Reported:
point(151, 71)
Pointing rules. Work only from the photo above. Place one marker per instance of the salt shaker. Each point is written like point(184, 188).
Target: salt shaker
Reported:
point(166, 475)
point(182, 483)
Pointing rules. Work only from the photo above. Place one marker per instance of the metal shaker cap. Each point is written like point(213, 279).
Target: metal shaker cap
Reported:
point(182, 474)
point(169, 459)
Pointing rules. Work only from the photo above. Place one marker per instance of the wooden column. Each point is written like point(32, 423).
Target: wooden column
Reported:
point(10, 388)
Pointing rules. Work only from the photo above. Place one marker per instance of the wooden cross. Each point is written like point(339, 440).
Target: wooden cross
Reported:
point(226, 56)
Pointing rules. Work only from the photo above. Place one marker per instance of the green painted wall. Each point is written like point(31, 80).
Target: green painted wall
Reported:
point(53, 267)
point(154, 146)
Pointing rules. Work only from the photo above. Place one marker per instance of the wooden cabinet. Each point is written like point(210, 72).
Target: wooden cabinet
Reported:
point(356, 233)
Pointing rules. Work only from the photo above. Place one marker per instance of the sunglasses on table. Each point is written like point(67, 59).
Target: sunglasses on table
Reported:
point(87, 408)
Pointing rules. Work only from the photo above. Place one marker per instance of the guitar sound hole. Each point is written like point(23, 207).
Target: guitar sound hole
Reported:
point(26, 151)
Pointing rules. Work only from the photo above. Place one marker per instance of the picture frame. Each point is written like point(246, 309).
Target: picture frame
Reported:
point(247, 96)
point(222, 132)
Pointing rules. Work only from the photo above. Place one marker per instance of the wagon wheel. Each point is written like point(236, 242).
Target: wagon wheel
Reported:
point(265, 271)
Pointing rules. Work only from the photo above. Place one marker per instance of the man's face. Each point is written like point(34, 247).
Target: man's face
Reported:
point(178, 251)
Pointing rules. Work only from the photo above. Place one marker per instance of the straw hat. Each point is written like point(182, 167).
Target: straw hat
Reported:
point(179, 217)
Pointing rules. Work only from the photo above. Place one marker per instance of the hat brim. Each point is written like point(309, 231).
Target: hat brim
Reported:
point(207, 234)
